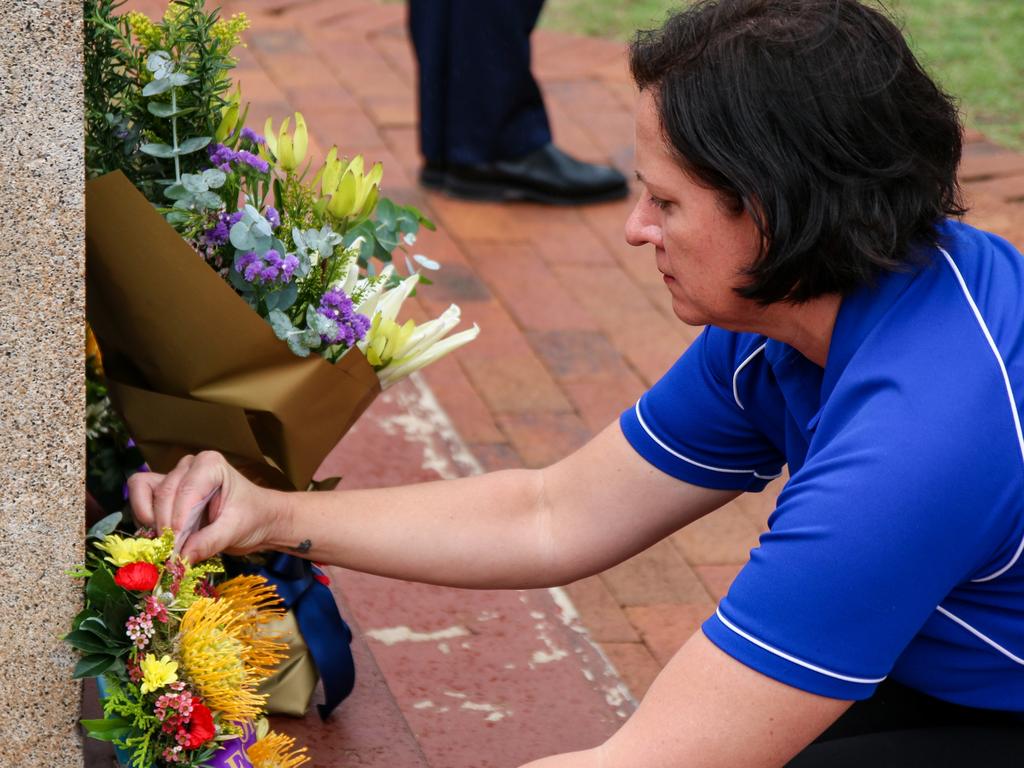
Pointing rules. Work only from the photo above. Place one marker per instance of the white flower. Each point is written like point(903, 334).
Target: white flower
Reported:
point(398, 350)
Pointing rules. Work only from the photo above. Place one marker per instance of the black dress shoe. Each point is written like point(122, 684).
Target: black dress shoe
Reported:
point(546, 175)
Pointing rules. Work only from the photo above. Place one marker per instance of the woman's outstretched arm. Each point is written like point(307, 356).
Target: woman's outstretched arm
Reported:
point(509, 529)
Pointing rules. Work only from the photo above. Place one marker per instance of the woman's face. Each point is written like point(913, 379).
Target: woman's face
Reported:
point(700, 246)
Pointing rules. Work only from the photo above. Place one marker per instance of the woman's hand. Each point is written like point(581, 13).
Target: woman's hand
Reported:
point(209, 505)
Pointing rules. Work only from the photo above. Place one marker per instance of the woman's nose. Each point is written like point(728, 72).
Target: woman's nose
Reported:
point(641, 229)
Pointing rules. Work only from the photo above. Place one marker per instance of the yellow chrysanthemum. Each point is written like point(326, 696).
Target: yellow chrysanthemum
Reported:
point(275, 750)
point(156, 673)
point(222, 653)
point(122, 550)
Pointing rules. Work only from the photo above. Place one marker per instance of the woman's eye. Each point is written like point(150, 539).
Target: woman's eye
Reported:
point(657, 202)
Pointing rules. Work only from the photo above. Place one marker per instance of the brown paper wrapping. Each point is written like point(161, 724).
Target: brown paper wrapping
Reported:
point(191, 367)
point(291, 687)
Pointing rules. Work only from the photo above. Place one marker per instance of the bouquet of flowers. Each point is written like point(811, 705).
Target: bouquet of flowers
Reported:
point(303, 251)
point(180, 655)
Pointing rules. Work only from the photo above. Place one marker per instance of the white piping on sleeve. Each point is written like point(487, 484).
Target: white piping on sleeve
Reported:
point(736, 374)
point(984, 638)
point(1009, 392)
point(687, 459)
point(794, 659)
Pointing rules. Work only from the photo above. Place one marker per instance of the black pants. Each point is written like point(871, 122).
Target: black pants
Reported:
point(901, 728)
point(478, 99)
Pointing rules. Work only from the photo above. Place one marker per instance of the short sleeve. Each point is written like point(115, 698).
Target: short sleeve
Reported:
point(690, 426)
point(867, 539)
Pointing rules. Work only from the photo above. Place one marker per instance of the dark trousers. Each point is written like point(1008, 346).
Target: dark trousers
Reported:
point(901, 728)
point(478, 99)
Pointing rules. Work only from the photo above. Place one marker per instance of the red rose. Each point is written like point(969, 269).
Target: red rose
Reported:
point(138, 577)
point(200, 726)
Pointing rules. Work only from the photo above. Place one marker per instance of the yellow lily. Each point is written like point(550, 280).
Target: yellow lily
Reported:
point(288, 149)
point(228, 117)
point(396, 350)
point(387, 339)
point(353, 194)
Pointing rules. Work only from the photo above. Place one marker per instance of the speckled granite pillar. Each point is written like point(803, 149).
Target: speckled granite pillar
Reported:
point(42, 440)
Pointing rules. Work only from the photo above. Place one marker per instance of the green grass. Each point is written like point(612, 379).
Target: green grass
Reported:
point(975, 48)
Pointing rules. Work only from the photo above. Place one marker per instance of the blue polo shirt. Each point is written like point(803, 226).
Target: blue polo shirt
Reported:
point(895, 549)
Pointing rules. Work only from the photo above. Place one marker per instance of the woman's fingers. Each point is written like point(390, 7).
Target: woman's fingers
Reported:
point(165, 495)
point(204, 478)
point(140, 497)
point(201, 500)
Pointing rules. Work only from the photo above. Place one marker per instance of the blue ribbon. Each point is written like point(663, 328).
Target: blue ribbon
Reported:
point(326, 634)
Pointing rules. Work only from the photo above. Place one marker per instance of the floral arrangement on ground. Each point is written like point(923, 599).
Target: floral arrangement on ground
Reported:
point(180, 656)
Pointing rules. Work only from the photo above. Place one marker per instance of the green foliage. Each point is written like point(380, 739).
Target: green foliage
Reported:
point(139, 118)
point(111, 457)
point(187, 590)
point(125, 706)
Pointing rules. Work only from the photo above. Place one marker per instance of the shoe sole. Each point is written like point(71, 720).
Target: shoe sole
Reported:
point(497, 193)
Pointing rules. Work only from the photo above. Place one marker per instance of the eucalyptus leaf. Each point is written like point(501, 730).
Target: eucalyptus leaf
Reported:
point(271, 301)
point(238, 281)
point(176, 192)
point(163, 109)
point(176, 217)
point(158, 86)
point(194, 144)
point(160, 64)
point(193, 183)
point(425, 262)
point(179, 78)
point(158, 150)
point(386, 212)
point(214, 178)
point(281, 324)
point(287, 296)
point(324, 326)
point(106, 526)
point(297, 347)
point(241, 236)
point(208, 200)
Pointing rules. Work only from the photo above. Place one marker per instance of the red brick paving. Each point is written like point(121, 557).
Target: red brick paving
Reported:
point(574, 322)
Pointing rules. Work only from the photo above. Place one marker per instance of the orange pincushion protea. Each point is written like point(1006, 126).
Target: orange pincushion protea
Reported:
point(222, 652)
point(275, 750)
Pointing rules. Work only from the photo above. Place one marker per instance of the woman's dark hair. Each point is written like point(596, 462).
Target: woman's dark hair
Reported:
point(814, 117)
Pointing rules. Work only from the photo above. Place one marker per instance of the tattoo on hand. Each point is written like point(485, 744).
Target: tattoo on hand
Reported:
point(304, 547)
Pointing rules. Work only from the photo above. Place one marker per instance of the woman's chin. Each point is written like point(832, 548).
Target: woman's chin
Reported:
point(687, 313)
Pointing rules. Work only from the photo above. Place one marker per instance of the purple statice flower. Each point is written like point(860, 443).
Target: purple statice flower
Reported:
point(271, 215)
point(253, 161)
point(221, 157)
point(249, 266)
point(220, 232)
point(251, 135)
point(269, 268)
point(350, 326)
point(224, 157)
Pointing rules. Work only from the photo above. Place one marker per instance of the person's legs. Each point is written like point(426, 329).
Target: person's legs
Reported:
point(899, 727)
point(484, 133)
point(478, 100)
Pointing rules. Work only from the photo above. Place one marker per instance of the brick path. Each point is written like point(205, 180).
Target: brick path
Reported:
point(575, 323)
